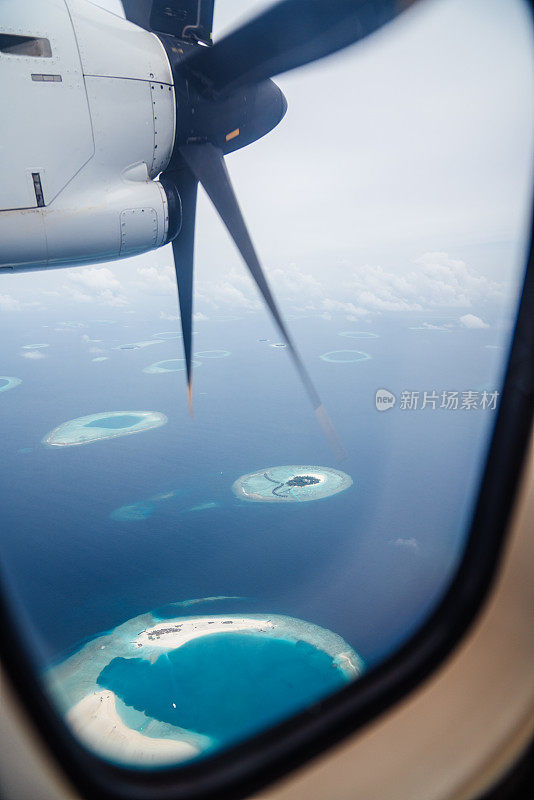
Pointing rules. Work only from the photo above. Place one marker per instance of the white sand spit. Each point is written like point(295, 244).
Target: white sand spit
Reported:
point(96, 722)
point(175, 634)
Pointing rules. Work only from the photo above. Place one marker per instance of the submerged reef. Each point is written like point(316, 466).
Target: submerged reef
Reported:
point(8, 382)
point(345, 356)
point(34, 346)
point(159, 691)
point(292, 483)
point(143, 509)
point(105, 425)
point(133, 513)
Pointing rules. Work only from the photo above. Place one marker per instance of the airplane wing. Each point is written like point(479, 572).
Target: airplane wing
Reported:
point(187, 19)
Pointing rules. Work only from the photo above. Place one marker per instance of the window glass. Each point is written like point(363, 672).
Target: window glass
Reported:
point(184, 584)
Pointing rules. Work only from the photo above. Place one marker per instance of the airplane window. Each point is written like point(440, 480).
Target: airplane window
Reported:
point(14, 45)
point(185, 584)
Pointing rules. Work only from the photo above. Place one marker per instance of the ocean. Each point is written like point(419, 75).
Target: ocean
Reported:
point(369, 563)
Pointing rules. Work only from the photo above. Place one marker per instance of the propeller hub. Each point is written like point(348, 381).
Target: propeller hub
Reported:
point(228, 123)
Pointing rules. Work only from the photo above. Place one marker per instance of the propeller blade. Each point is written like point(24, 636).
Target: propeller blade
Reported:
point(183, 249)
point(207, 164)
point(285, 36)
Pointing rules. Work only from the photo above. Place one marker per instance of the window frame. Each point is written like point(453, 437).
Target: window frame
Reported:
point(248, 767)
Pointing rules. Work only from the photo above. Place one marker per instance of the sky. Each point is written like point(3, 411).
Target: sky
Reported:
point(399, 180)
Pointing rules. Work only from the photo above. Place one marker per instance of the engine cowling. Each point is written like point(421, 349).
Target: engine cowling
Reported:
point(81, 150)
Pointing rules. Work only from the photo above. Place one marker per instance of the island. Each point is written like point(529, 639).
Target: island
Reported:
point(8, 382)
point(156, 691)
point(170, 365)
point(291, 484)
point(212, 354)
point(104, 425)
point(138, 345)
point(359, 334)
point(345, 356)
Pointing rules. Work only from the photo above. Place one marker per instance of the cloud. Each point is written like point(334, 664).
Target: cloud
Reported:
point(472, 321)
point(156, 280)
point(109, 298)
point(9, 303)
point(353, 311)
point(87, 338)
point(95, 278)
point(72, 293)
point(170, 317)
point(200, 317)
point(33, 355)
point(292, 282)
point(225, 293)
point(434, 280)
point(407, 544)
point(95, 284)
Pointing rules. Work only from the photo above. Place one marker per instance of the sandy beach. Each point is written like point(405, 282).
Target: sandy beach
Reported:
point(171, 635)
point(96, 722)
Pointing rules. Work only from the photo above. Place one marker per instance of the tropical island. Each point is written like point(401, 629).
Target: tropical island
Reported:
point(291, 483)
point(158, 691)
point(104, 425)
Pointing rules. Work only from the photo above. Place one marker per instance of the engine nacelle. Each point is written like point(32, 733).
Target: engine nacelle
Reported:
point(91, 124)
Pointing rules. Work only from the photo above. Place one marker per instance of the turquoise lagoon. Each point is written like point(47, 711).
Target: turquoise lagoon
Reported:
point(205, 681)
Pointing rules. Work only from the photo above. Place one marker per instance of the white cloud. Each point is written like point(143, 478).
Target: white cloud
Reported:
point(9, 303)
point(472, 321)
point(156, 280)
point(226, 294)
point(200, 317)
point(170, 317)
point(436, 281)
point(72, 293)
point(292, 282)
point(109, 298)
point(95, 278)
point(354, 312)
point(408, 544)
point(98, 284)
point(33, 355)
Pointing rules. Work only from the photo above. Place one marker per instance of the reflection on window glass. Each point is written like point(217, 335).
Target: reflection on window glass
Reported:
point(186, 584)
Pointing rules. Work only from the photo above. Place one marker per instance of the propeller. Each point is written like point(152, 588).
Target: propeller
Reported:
point(288, 35)
point(225, 100)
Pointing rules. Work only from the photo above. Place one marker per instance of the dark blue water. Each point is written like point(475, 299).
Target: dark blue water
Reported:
point(368, 563)
point(227, 685)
